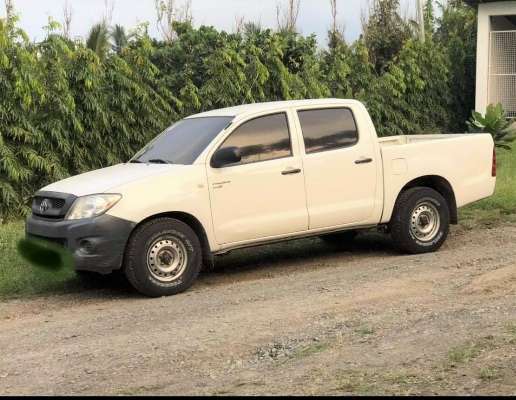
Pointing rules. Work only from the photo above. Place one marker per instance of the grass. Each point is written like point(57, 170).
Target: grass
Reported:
point(489, 374)
point(470, 350)
point(464, 353)
point(18, 278)
point(311, 349)
point(356, 382)
point(510, 329)
point(378, 382)
point(501, 206)
point(365, 330)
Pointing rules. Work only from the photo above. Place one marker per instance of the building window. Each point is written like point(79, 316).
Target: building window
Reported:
point(502, 63)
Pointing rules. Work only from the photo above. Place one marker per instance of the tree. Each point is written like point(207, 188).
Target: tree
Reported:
point(429, 17)
point(9, 9)
point(239, 24)
point(169, 12)
point(67, 19)
point(287, 18)
point(385, 32)
point(421, 22)
point(120, 39)
point(109, 7)
point(59, 117)
point(98, 39)
point(252, 28)
point(21, 142)
point(456, 33)
point(336, 33)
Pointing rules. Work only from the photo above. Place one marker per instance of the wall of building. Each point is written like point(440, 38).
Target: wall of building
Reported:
point(486, 25)
point(503, 22)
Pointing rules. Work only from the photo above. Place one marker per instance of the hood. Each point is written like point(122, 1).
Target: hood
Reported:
point(105, 179)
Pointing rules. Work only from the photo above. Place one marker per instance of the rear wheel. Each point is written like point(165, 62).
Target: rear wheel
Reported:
point(163, 257)
point(420, 221)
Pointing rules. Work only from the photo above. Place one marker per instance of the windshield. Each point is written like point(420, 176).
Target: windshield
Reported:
point(183, 142)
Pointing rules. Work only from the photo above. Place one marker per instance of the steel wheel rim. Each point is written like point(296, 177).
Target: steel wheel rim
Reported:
point(167, 259)
point(425, 221)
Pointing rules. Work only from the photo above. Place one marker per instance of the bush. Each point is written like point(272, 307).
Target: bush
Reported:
point(496, 123)
point(66, 108)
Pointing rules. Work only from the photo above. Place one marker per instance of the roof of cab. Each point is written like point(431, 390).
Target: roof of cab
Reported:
point(253, 108)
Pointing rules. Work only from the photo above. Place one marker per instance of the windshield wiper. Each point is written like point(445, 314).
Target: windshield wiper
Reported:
point(135, 162)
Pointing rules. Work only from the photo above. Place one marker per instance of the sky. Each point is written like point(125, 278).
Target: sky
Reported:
point(314, 16)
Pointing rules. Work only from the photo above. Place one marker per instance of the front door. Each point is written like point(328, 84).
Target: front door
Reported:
point(263, 195)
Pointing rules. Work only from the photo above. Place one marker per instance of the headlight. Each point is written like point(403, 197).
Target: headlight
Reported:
point(92, 206)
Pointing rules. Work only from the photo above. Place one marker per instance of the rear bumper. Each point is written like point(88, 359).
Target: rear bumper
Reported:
point(96, 244)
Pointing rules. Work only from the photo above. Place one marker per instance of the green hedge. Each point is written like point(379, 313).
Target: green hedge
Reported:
point(65, 110)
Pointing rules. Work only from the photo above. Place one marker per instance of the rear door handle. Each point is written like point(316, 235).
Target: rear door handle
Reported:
point(291, 171)
point(219, 185)
point(364, 160)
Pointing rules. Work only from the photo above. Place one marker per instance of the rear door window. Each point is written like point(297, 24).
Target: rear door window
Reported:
point(328, 129)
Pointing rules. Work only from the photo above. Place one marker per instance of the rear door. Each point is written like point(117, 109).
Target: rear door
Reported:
point(264, 194)
point(339, 166)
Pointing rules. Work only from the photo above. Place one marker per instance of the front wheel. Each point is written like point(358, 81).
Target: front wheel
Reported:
point(163, 257)
point(420, 221)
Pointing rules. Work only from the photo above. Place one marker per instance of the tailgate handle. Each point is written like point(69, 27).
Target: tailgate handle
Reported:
point(291, 171)
point(364, 161)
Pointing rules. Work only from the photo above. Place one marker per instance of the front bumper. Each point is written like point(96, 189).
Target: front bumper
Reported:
point(96, 244)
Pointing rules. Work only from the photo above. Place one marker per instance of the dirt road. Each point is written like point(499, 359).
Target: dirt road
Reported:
point(295, 318)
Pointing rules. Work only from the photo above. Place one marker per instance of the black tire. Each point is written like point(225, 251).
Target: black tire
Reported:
point(404, 220)
point(339, 238)
point(139, 247)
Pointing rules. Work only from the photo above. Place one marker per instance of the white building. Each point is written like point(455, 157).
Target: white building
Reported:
point(496, 54)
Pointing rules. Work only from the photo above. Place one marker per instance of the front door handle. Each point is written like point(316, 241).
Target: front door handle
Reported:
point(364, 160)
point(291, 171)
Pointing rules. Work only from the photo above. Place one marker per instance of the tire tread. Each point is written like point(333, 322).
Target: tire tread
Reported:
point(402, 240)
point(130, 266)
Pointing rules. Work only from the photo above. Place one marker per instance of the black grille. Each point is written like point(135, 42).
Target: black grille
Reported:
point(53, 203)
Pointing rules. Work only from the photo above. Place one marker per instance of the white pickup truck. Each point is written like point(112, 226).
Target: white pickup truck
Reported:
point(256, 174)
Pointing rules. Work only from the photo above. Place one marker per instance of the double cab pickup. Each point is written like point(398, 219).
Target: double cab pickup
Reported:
point(256, 174)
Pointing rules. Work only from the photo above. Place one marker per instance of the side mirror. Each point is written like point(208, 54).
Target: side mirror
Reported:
point(226, 156)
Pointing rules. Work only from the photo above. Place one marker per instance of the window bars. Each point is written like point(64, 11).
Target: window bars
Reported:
point(502, 70)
